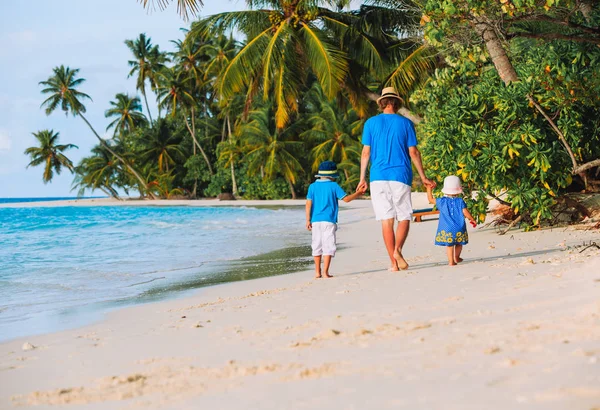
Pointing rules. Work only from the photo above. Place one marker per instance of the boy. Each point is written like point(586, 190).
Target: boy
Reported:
point(322, 214)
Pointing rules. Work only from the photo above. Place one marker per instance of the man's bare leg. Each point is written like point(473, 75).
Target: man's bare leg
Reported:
point(317, 266)
point(326, 263)
point(450, 254)
point(401, 235)
point(387, 229)
point(457, 251)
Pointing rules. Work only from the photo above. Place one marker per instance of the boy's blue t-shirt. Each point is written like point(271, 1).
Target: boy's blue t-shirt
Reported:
point(324, 195)
point(390, 136)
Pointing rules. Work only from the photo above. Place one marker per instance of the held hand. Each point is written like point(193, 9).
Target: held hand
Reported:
point(308, 225)
point(362, 186)
point(429, 183)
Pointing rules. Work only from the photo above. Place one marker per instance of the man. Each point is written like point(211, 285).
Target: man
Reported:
point(390, 143)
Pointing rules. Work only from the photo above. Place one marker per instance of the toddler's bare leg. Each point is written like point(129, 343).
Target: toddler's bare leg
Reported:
point(318, 266)
point(457, 251)
point(450, 254)
point(326, 263)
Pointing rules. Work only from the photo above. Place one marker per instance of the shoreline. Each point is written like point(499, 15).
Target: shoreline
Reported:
point(155, 202)
point(517, 324)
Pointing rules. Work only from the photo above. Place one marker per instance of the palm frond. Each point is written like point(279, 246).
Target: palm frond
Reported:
point(185, 8)
point(328, 63)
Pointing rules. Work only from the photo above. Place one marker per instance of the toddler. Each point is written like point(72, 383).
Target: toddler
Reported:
point(452, 230)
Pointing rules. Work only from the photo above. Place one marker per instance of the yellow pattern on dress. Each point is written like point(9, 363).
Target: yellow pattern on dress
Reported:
point(449, 238)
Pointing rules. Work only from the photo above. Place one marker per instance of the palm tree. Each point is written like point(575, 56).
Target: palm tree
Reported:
point(271, 150)
point(50, 154)
point(148, 61)
point(333, 131)
point(188, 57)
point(62, 89)
point(176, 91)
point(162, 145)
point(128, 113)
point(286, 40)
point(98, 171)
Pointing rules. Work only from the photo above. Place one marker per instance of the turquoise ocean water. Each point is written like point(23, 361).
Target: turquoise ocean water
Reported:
point(62, 267)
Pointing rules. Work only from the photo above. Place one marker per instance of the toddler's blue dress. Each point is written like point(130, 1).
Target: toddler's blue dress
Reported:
point(452, 229)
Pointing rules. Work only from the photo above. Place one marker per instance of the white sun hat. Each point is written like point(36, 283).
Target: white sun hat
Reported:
point(452, 185)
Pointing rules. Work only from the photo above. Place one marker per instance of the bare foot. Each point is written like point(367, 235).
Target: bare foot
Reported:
point(402, 264)
point(451, 264)
point(327, 275)
point(318, 276)
point(393, 268)
point(459, 259)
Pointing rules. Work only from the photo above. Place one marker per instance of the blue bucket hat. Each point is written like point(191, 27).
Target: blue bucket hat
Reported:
point(327, 169)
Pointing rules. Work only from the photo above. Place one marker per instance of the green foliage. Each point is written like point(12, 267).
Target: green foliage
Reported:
point(489, 134)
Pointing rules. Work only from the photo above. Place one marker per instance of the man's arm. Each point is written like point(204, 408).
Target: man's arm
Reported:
point(308, 209)
point(415, 156)
point(364, 163)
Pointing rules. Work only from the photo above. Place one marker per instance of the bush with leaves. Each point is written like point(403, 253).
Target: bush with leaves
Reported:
point(487, 133)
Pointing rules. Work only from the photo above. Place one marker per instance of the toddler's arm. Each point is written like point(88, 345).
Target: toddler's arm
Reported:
point(430, 194)
point(308, 209)
point(468, 215)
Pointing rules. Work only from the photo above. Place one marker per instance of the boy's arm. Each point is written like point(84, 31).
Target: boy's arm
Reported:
point(430, 194)
point(308, 209)
point(353, 196)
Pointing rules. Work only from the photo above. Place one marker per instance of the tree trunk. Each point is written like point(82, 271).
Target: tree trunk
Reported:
point(192, 133)
point(234, 187)
point(495, 48)
point(195, 179)
point(147, 106)
point(291, 188)
point(109, 149)
point(110, 191)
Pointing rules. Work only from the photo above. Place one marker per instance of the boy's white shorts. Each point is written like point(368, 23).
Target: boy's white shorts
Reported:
point(323, 238)
point(391, 199)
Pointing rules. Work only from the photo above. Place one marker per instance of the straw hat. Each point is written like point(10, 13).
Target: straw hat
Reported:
point(452, 185)
point(327, 169)
point(389, 92)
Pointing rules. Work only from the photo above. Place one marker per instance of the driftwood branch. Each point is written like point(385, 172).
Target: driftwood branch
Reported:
point(513, 223)
point(586, 166)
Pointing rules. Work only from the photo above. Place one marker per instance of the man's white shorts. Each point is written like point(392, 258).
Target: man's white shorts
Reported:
point(323, 238)
point(391, 199)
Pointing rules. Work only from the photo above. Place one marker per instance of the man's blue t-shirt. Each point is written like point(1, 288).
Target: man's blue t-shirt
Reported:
point(390, 136)
point(324, 195)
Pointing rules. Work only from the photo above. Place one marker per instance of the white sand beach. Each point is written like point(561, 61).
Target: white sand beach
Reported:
point(515, 326)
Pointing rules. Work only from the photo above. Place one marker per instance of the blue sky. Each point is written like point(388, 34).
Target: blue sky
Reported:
point(36, 36)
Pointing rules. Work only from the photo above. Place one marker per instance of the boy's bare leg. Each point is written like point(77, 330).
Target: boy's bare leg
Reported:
point(401, 235)
point(317, 267)
point(450, 254)
point(457, 251)
point(387, 229)
point(326, 263)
